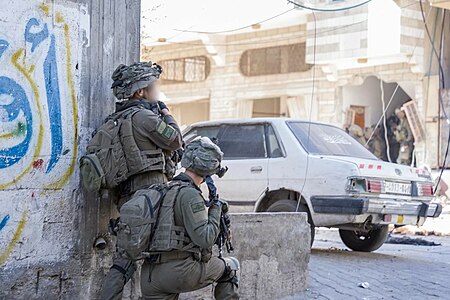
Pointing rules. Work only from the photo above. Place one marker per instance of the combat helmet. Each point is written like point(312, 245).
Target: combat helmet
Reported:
point(129, 79)
point(202, 157)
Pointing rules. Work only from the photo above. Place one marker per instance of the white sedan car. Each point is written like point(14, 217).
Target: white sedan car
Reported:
point(290, 165)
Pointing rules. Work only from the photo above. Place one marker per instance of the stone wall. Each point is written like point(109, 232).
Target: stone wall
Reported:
point(273, 249)
point(56, 59)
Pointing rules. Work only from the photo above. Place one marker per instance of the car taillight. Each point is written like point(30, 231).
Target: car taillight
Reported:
point(374, 186)
point(424, 189)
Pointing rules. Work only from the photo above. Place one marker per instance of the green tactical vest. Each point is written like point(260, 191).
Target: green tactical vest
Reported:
point(147, 223)
point(113, 156)
point(167, 235)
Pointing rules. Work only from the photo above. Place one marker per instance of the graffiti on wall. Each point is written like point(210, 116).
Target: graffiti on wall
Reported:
point(38, 109)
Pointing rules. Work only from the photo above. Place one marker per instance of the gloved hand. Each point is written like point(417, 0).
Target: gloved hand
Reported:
point(225, 207)
point(162, 106)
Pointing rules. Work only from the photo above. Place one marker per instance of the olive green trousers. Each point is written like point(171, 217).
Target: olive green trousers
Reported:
point(167, 280)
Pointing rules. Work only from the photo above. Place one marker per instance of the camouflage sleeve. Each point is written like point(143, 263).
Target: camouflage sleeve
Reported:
point(202, 225)
point(409, 131)
point(165, 132)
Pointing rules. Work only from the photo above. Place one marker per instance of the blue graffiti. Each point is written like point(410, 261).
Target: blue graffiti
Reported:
point(35, 33)
point(35, 38)
point(54, 104)
point(4, 221)
point(3, 46)
point(9, 87)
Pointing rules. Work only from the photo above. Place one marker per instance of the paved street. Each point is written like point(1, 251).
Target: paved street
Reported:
point(393, 272)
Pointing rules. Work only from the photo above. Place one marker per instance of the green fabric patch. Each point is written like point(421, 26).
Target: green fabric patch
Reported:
point(165, 130)
point(168, 131)
point(161, 127)
point(197, 207)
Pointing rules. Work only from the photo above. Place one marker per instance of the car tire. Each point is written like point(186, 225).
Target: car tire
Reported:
point(291, 206)
point(364, 242)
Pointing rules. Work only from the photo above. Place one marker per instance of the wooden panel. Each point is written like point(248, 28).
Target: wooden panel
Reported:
point(414, 120)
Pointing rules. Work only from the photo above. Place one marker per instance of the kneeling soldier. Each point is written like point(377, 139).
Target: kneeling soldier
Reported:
point(189, 265)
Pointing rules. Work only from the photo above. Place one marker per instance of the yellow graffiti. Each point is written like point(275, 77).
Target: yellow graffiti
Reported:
point(14, 239)
point(6, 135)
point(65, 177)
point(45, 9)
point(59, 18)
point(27, 73)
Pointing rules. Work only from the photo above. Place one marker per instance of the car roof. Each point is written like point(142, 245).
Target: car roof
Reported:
point(249, 121)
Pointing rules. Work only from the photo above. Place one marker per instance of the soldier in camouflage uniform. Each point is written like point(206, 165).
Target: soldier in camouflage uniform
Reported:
point(192, 267)
point(154, 131)
point(404, 136)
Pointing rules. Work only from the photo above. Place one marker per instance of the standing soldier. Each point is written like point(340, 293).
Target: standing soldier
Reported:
point(190, 266)
point(404, 136)
point(376, 144)
point(156, 135)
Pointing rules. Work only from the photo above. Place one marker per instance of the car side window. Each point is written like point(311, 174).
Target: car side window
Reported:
point(273, 144)
point(243, 141)
point(210, 132)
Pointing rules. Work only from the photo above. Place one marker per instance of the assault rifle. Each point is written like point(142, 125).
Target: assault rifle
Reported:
point(225, 223)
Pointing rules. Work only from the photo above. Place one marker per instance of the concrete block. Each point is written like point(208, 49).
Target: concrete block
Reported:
point(273, 249)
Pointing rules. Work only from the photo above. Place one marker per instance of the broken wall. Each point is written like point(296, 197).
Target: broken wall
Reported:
point(56, 59)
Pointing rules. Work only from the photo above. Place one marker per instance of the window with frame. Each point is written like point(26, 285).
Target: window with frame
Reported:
point(275, 150)
point(187, 69)
point(210, 131)
point(243, 141)
point(274, 60)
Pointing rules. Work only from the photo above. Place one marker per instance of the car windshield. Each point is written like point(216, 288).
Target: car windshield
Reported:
point(328, 140)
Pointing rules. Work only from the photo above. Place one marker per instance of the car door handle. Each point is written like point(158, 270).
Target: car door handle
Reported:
point(256, 169)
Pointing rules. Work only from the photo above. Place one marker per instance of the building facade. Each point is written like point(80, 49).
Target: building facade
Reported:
point(336, 67)
point(56, 61)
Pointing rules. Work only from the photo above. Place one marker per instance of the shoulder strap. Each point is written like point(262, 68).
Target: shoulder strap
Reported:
point(124, 113)
point(178, 185)
point(163, 193)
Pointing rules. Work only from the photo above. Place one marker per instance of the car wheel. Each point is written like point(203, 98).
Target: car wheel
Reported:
point(291, 206)
point(364, 241)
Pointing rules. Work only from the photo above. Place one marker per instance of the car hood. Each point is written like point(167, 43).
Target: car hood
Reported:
point(384, 170)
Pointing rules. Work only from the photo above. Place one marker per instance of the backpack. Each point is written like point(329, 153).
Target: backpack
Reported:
point(112, 155)
point(140, 219)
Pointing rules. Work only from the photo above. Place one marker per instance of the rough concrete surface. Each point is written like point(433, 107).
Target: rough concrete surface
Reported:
point(273, 249)
point(56, 61)
point(393, 272)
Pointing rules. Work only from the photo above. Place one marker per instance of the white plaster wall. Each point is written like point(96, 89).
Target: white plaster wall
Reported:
point(39, 120)
point(368, 95)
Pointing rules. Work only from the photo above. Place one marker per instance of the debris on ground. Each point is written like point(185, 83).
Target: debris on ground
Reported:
point(406, 240)
point(364, 285)
point(336, 249)
point(433, 226)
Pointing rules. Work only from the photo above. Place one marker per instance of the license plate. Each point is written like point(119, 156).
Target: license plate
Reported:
point(397, 188)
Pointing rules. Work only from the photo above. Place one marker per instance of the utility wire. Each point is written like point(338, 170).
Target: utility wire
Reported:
point(236, 29)
point(441, 70)
point(383, 103)
point(383, 115)
point(200, 43)
point(310, 108)
point(441, 48)
point(193, 43)
point(427, 91)
point(329, 9)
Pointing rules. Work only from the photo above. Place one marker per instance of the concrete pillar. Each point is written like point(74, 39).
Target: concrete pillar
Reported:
point(273, 249)
point(56, 60)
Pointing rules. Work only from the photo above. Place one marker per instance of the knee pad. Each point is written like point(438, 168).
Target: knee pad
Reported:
point(232, 265)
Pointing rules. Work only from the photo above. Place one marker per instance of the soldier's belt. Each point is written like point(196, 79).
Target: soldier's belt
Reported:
point(174, 255)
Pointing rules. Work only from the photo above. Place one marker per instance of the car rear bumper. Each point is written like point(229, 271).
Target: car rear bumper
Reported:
point(348, 205)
